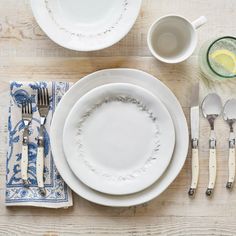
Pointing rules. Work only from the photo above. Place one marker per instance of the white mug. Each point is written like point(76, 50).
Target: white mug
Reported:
point(172, 38)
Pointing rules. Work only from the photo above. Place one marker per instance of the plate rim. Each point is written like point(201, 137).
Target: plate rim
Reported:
point(168, 153)
point(154, 191)
point(50, 29)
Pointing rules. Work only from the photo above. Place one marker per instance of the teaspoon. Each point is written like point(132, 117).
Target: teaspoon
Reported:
point(211, 109)
point(229, 115)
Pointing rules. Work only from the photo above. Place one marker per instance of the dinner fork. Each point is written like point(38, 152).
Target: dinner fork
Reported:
point(43, 107)
point(27, 118)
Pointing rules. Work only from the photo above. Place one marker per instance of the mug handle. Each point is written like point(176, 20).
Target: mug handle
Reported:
point(199, 22)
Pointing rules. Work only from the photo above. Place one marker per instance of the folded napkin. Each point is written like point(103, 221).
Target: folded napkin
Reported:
point(58, 193)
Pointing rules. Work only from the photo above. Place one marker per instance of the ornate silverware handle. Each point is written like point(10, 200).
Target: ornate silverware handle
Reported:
point(195, 168)
point(40, 160)
point(231, 161)
point(212, 164)
point(24, 156)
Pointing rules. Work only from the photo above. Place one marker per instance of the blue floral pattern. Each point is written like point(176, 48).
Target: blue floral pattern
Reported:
point(57, 192)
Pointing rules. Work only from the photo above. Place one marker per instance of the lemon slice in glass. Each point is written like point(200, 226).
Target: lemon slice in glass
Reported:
point(226, 59)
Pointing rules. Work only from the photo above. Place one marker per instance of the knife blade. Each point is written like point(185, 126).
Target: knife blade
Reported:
point(194, 123)
point(194, 113)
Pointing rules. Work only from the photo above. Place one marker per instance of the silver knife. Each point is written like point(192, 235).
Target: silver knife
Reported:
point(194, 119)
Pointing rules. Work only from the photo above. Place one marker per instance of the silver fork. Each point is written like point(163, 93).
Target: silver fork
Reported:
point(43, 107)
point(27, 118)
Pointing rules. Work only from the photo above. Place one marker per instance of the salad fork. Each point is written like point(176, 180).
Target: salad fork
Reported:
point(27, 118)
point(43, 107)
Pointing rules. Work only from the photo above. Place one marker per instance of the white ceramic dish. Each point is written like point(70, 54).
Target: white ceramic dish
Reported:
point(130, 76)
point(118, 138)
point(86, 25)
point(172, 38)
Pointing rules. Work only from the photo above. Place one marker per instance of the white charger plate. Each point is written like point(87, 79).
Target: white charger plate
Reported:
point(86, 25)
point(118, 138)
point(130, 76)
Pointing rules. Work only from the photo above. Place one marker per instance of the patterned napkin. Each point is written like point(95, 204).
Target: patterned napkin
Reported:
point(58, 193)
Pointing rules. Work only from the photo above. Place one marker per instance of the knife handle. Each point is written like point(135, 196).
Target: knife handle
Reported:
point(24, 164)
point(231, 166)
point(40, 168)
point(212, 172)
point(195, 172)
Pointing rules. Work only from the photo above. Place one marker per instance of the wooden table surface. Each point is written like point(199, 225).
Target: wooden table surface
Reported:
point(26, 53)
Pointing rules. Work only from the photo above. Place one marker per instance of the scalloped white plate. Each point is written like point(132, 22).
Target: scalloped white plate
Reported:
point(130, 76)
point(86, 25)
point(118, 138)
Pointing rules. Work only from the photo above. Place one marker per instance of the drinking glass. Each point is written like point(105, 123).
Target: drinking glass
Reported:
point(217, 58)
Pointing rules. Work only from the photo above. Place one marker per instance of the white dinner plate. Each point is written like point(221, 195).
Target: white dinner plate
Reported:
point(86, 25)
point(118, 138)
point(130, 76)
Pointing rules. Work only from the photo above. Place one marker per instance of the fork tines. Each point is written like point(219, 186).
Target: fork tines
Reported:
point(43, 97)
point(26, 107)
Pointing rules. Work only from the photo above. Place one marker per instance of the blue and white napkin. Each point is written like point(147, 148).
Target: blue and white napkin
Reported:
point(58, 193)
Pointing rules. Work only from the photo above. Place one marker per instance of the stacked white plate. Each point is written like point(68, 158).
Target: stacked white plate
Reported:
point(119, 137)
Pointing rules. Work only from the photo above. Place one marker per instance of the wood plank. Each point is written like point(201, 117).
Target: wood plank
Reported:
point(21, 36)
point(139, 226)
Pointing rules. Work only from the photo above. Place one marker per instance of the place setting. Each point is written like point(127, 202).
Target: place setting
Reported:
point(117, 137)
point(215, 102)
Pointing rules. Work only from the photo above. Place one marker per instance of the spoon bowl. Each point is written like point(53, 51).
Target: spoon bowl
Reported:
point(211, 105)
point(229, 112)
point(211, 108)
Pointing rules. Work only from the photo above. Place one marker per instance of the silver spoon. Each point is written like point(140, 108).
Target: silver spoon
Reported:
point(211, 109)
point(229, 115)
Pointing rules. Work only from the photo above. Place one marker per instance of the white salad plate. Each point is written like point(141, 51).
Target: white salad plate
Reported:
point(86, 25)
point(118, 138)
point(130, 76)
